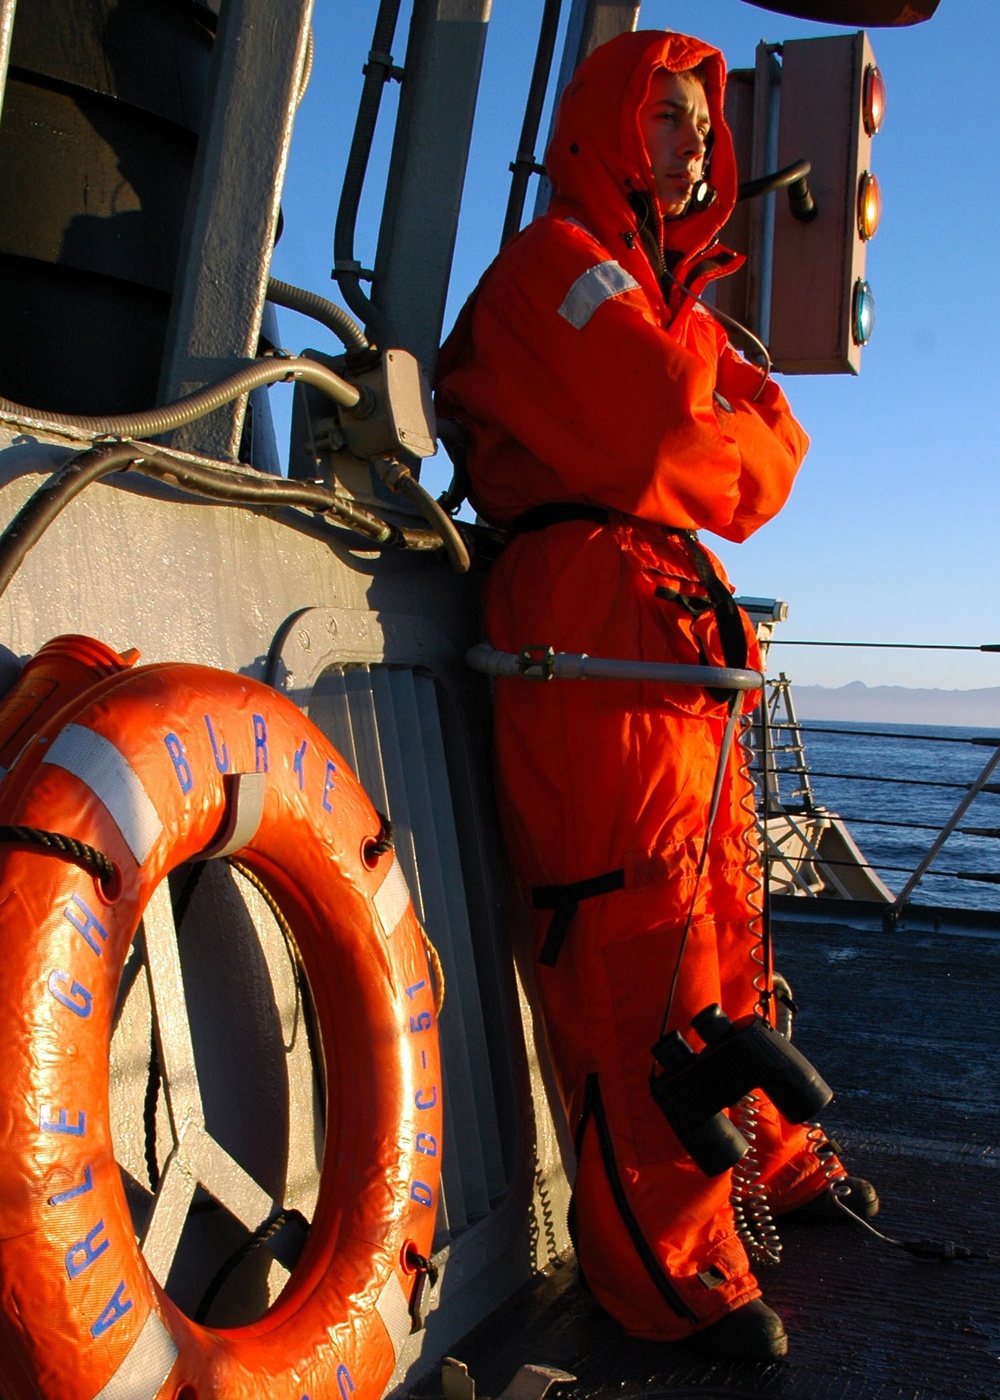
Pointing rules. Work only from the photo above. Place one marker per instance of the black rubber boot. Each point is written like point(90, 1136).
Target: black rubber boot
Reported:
point(749, 1333)
point(861, 1200)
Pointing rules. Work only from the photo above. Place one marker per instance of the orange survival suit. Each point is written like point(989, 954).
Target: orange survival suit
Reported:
point(610, 420)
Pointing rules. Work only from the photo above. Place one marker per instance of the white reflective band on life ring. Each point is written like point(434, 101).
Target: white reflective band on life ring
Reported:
point(392, 898)
point(146, 1366)
point(113, 781)
point(394, 1311)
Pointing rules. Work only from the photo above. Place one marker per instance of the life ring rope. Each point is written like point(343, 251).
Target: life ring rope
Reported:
point(88, 857)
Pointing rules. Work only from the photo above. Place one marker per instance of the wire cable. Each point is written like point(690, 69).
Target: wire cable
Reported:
point(223, 484)
point(153, 422)
point(398, 477)
point(327, 313)
point(524, 166)
point(346, 269)
point(885, 734)
point(888, 646)
point(731, 323)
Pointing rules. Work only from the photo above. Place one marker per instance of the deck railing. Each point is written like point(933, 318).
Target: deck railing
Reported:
point(919, 804)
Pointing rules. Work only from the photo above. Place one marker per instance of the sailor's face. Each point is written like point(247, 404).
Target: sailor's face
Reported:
point(674, 123)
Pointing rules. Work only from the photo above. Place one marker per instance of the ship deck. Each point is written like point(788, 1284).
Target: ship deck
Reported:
point(903, 1024)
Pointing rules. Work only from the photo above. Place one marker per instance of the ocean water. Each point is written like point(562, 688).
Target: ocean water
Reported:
point(896, 785)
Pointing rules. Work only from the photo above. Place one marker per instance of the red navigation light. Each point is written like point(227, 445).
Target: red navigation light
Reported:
point(869, 205)
point(873, 99)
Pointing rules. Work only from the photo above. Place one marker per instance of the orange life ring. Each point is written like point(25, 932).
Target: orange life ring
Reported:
point(144, 767)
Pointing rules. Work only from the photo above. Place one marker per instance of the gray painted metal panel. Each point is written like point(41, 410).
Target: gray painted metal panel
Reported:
point(457, 917)
point(329, 711)
point(466, 1074)
point(219, 298)
point(427, 169)
point(398, 797)
point(385, 722)
point(342, 704)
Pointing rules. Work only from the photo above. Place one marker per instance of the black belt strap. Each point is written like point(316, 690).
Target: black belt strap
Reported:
point(563, 899)
point(727, 614)
point(554, 513)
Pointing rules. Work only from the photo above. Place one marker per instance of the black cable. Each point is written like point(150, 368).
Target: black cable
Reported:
point(906, 870)
point(378, 70)
point(41, 508)
point(884, 734)
point(724, 749)
point(767, 926)
point(225, 485)
point(871, 778)
point(888, 822)
point(940, 1250)
point(887, 646)
point(524, 166)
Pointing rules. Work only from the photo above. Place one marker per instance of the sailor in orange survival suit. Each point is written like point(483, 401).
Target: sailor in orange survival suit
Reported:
point(608, 420)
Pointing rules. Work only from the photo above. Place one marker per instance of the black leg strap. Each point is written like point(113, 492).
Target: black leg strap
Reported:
point(563, 899)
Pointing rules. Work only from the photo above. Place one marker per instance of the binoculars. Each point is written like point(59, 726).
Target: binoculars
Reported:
point(692, 1089)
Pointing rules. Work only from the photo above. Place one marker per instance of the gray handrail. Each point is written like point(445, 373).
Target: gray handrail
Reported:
point(542, 663)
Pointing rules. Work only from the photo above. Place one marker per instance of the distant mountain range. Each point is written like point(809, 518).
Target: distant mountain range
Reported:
point(899, 704)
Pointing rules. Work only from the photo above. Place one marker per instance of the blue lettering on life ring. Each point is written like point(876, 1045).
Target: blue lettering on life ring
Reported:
point(115, 1309)
point(75, 997)
point(221, 759)
point(179, 759)
point(88, 926)
point(344, 1382)
point(260, 762)
point(298, 763)
point(422, 1102)
point(87, 1184)
point(81, 1255)
point(328, 784)
point(421, 1193)
point(61, 1123)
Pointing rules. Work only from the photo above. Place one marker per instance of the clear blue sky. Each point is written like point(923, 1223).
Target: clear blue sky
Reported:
point(891, 532)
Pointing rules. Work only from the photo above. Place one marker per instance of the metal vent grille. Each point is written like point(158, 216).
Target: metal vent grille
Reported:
point(386, 722)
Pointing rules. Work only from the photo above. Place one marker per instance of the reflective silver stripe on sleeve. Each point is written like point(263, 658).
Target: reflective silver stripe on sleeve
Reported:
point(146, 1366)
point(591, 288)
point(394, 1311)
point(96, 762)
point(392, 898)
